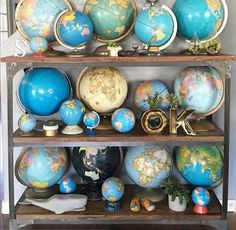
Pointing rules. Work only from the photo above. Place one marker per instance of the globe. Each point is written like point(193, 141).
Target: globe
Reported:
point(73, 29)
point(156, 26)
point(40, 168)
point(123, 120)
point(202, 19)
point(42, 90)
point(91, 119)
point(37, 18)
point(200, 165)
point(200, 88)
point(67, 185)
point(201, 196)
point(112, 20)
point(27, 122)
point(38, 44)
point(151, 89)
point(102, 89)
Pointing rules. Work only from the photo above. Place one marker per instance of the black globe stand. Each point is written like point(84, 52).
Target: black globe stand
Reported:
point(92, 191)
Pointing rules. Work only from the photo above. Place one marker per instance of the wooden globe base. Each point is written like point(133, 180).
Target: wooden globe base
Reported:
point(26, 134)
point(202, 126)
point(105, 123)
point(152, 194)
point(44, 193)
point(72, 130)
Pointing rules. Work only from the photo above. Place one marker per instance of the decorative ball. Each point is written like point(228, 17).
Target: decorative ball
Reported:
point(91, 119)
point(38, 44)
point(200, 88)
point(112, 20)
point(201, 196)
point(113, 189)
point(27, 122)
point(202, 19)
point(156, 26)
point(102, 89)
point(41, 167)
point(67, 185)
point(147, 93)
point(123, 120)
point(42, 90)
point(148, 166)
point(200, 165)
point(71, 111)
point(73, 29)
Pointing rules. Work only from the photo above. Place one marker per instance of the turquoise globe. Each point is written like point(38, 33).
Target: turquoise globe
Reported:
point(200, 165)
point(40, 167)
point(123, 120)
point(151, 89)
point(202, 19)
point(148, 166)
point(113, 189)
point(27, 122)
point(112, 20)
point(67, 185)
point(73, 29)
point(91, 119)
point(201, 196)
point(156, 26)
point(38, 44)
point(42, 90)
point(200, 88)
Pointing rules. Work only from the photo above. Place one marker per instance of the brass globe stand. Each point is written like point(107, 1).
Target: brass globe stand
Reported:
point(105, 122)
point(152, 194)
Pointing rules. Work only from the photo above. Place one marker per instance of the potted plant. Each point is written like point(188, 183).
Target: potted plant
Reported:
point(178, 195)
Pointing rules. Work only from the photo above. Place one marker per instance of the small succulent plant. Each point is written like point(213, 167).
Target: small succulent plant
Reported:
point(153, 101)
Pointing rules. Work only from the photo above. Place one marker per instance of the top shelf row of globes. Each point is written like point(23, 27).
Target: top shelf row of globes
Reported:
point(198, 22)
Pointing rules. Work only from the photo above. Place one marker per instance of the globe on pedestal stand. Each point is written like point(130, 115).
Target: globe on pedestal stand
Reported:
point(201, 198)
point(91, 120)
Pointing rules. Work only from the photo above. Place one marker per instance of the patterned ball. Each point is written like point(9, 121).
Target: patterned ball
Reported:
point(38, 44)
point(67, 185)
point(27, 122)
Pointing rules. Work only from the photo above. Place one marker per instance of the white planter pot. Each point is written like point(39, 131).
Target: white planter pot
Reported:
point(175, 205)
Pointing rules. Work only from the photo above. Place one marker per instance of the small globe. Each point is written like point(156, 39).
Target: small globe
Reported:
point(200, 165)
point(73, 29)
point(27, 122)
point(42, 90)
point(71, 112)
point(91, 120)
point(151, 89)
point(113, 189)
point(96, 164)
point(156, 26)
point(202, 19)
point(201, 196)
point(41, 167)
point(200, 88)
point(102, 89)
point(123, 120)
point(37, 18)
point(148, 166)
point(67, 185)
point(38, 44)
point(112, 20)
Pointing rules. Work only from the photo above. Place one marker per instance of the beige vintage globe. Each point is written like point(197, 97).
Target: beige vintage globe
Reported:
point(102, 89)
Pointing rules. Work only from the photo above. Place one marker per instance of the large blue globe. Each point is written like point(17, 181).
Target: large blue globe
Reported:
point(201, 18)
point(42, 90)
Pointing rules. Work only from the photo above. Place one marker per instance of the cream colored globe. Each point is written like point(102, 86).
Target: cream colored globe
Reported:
point(102, 89)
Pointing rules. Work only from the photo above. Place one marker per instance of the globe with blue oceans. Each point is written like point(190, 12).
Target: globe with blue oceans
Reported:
point(37, 18)
point(200, 19)
point(27, 122)
point(200, 165)
point(123, 120)
point(38, 44)
point(42, 90)
point(67, 185)
point(200, 196)
point(74, 29)
point(200, 88)
point(40, 167)
point(91, 119)
point(148, 166)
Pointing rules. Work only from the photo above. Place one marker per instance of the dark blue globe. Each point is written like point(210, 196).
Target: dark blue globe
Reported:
point(42, 90)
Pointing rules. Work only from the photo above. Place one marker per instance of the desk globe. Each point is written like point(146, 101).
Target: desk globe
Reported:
point(91, 120)
point(26, 123)
point(148, 167)
point(201, 19)
point(201, 198)
point(200, 165)
point(42, 90)
point(112, 20)
point(38, 45)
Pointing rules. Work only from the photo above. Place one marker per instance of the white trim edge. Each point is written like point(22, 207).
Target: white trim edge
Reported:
point(5, 207)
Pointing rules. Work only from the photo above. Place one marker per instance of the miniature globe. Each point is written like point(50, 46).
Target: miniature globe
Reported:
point(151, 89)
point(200, 88)
point(202, 19)
point(156, 26)
point(41, 168)
point(42, 90)
point(38, 44)
point(201, 196)
point(73, 29)
point(27, 122)
point(91, 119)
point(102, 89)
point(37, 18)
point(200, 165)
point(113, 189)
point(123, 120)
point(112, 20)
point(67, 185)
